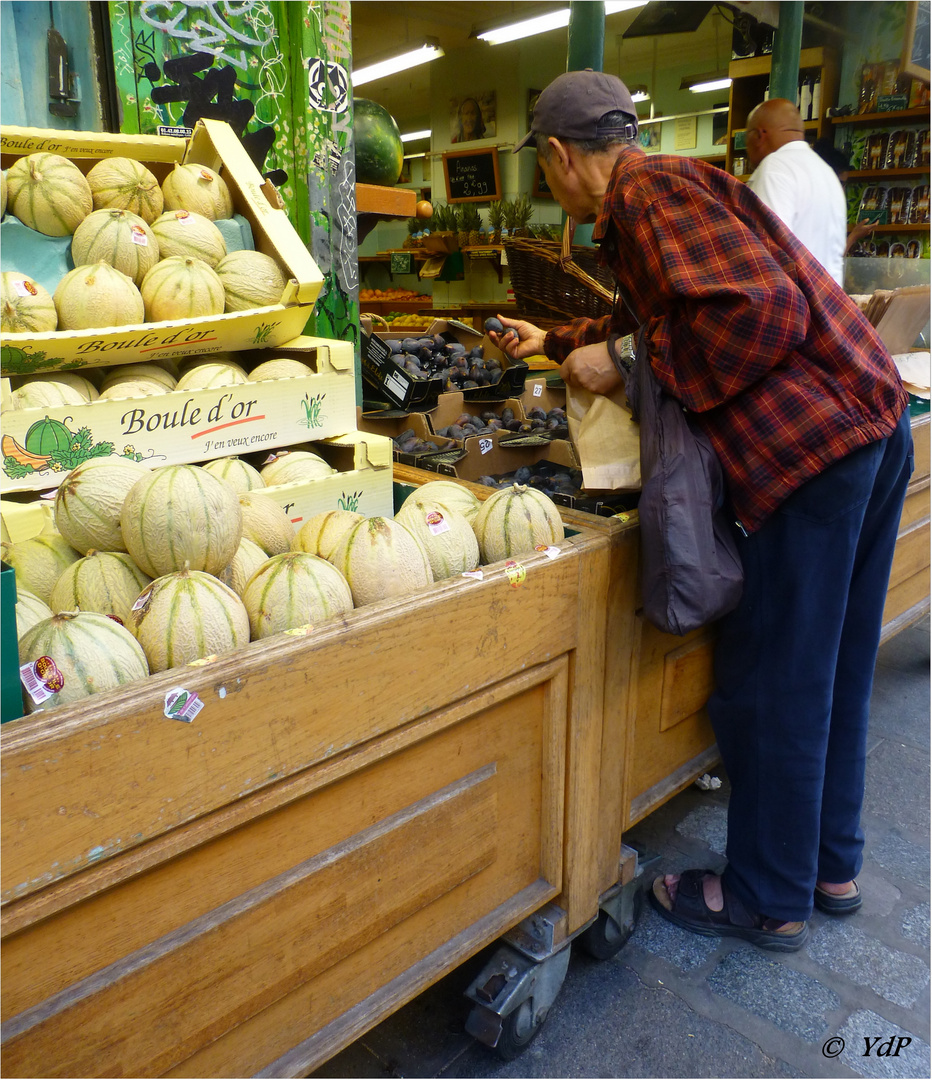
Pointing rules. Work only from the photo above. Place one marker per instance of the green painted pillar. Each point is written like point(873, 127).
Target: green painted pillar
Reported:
point(585, 45)
point(787, 42)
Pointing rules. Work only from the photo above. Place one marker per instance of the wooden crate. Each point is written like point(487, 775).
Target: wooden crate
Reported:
point(351, 815)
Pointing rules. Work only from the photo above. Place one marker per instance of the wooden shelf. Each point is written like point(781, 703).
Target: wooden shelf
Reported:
point(887, 174)
point(385, 201)
point(883, 117)
point(924, 228)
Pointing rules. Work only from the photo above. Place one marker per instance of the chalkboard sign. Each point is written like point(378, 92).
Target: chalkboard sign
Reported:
point(472, 175)
point(540, 189)
point(915, 58)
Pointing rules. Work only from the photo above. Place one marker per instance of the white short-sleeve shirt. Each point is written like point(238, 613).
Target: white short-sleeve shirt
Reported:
point(807, 195)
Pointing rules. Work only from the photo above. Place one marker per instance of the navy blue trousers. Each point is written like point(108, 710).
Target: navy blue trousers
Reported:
point(794, 667)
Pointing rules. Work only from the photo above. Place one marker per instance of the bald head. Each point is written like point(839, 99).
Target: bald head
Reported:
point(771, 125)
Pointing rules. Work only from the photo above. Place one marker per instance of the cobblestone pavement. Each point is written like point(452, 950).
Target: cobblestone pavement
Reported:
point(854, 1002)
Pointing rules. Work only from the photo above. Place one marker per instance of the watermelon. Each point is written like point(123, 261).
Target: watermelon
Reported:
point(379, 153)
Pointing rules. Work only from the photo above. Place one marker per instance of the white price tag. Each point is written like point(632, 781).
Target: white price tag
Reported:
point(181, 704)
point(436, 523)
point(538, 389)
point(549, 550)
point(477, 574)
point(485, 445)
point(139, 237)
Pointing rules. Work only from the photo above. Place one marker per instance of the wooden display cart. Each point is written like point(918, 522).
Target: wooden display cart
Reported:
point(352, 814)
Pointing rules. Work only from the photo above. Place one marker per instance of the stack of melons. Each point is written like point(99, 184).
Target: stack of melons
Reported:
point(145, 570)
point(142, 251)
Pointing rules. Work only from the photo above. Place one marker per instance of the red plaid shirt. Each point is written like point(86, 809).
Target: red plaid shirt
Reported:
point(745, 327)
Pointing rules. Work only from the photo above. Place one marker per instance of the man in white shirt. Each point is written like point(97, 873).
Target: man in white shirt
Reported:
point(796, 183)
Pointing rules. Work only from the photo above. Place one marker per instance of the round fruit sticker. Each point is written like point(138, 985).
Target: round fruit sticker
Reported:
point(30, 288)
point(47, 672)
point(435, 523)
point(516, 573)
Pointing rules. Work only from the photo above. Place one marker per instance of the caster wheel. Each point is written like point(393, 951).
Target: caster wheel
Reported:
point(519, 1029)
point(605, 937)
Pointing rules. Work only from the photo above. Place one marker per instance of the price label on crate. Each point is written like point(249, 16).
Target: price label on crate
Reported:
point(485, 445)
point(401, 262)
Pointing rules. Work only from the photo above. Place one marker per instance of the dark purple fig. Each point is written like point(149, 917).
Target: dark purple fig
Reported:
point(494, 326)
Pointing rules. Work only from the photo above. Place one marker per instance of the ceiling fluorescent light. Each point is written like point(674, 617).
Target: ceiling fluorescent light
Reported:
point(553, 20)
point(413, 136)
point(709, 80)
point(639, 93)
point(396, 63)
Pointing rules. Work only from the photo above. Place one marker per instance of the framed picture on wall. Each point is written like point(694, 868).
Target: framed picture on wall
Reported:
point(472, 118)
point(915, 56)
point(539, 189)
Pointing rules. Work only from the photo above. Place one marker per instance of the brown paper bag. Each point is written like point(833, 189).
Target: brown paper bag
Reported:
point(607, 440)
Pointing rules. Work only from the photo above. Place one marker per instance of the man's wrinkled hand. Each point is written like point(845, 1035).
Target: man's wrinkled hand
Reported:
point(520, 339)
point(591, 368)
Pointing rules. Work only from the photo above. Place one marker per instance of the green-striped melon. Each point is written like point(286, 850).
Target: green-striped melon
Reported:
point(380, 559)
point(180, 515)
point(89, 501)
point(181, 287)
point(119, 238)
point(295, 465)
point(320, 534)
point(179, 232)
point(266, 523)
point(280, 369)
point(135, 380)
point(122, 183)
point(187, 616)
point(97, 296)
point(294, 589)
point(212, 374)
point(107, 582)
point(47, 394)
point(79, 654)
point(40, 561)
point(250, 280)
point(48, 193)
point(26, 307)
point(514, 521)
point(247, 560)
point(449, 494)
point(48, 436)
point(239, 474)
point(446, 535)
point(29, 611)
point(199, 189)
point(87, 389)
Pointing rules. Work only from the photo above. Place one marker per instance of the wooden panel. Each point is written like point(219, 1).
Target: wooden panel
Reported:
point(687, 680)
point(922, 445)
point(271, 710)
point(467, 818)
point(909, 576)
point(916, 506)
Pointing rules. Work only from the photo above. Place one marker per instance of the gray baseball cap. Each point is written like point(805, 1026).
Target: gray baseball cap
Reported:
point(574, 103)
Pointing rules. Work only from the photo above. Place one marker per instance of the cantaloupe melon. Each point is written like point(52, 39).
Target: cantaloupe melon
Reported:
point(39, 562)
point(199, 189)
point(48, 193)
point(208, 375)
point(514, 521)
point(295, 465)
point(181, 288)
point(180, 515)
point(119, 238)
point(250, 280)
point(280, 369)
point(446, 535)
point(294, 589)
point(89, 501)
point(379, 559)
point(97, 296)
point(87, 389)
point(187, 616)
point(76, 654)
point(29, 611)
point(107, 582)
point(320, 534)
point(46, 394)
point(139, 373)
point(179, 232)
point(247, 560)
point(26, 307)
point(125, 184)
point(265, 523)
point(449, 494)
point(239, 474)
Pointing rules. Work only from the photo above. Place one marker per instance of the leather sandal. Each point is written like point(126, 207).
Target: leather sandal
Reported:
point(691, 912)
point(833, 904)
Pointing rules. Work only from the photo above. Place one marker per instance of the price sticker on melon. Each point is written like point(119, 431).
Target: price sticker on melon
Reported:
point(139, 236)
point(24, 287)
point(548, 549)
point(436, 523)
point(476, 575)
point(42, 679)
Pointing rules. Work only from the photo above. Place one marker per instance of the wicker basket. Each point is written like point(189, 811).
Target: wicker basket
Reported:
point(554, 280)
